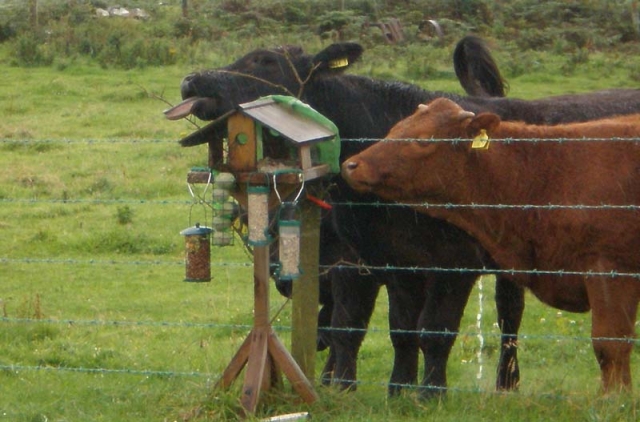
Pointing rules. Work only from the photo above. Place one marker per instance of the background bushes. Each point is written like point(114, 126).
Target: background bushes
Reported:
point(69, 29)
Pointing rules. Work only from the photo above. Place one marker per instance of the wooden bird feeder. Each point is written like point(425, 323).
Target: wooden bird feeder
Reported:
point(267, 135)
point(274, 135)
point(275, 138)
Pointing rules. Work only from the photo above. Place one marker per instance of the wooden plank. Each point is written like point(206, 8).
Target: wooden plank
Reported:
point(261, 285)
point(257, 372)
point(276, 372)
point(304, 152)
point(260, 178)
point(311, 173)
point(255, 369)
point(290, 123)
point(199, 177)
point(236, 365)
point(316, 172)
point(294, 374)
point(306, 291)
point(213, 134)
point(242, 143)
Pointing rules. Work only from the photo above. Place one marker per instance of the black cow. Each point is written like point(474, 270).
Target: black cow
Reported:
point(366, 108)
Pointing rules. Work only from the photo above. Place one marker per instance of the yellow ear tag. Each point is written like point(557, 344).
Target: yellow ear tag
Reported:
point(337, 63)
point(481, 141)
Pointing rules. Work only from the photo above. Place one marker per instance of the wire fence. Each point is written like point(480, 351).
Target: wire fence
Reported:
point(478, 332)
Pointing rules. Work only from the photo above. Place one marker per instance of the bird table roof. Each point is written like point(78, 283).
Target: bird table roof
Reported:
point(287, 120)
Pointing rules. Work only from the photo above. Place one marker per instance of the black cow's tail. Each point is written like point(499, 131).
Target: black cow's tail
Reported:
point(476, 69)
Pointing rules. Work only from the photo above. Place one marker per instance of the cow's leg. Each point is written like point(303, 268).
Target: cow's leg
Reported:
point(324, 338)
point(406, 300)
point(324, 326)
point(614, 304)
point(329, 367)
point(439, 323)
point(510, 306)
point(354, 299)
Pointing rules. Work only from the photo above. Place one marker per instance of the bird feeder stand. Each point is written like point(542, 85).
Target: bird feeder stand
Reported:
point(275, 138)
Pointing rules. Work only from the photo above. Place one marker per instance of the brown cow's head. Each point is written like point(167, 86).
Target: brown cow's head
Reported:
point(395, 168)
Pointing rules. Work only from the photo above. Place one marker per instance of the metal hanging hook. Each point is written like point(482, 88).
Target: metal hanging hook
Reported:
point(275, 186)
point(199, 199)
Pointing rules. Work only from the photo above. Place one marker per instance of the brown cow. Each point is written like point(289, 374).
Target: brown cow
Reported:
point(570, 251)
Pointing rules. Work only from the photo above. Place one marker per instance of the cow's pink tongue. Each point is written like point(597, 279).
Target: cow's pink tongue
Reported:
point(181, 110)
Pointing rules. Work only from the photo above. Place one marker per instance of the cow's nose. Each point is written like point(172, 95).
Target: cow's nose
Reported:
point(185, 87)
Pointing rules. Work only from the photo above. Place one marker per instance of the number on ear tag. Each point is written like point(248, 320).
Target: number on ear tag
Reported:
point(481, 141)
point(338, 63)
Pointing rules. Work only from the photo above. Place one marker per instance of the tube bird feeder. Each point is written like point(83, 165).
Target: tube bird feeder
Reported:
point(197, 253)
point(288, 243)
point(258, 199)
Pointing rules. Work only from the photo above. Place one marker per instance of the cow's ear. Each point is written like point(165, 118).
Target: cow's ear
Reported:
point(487, 121)
point(337, 57)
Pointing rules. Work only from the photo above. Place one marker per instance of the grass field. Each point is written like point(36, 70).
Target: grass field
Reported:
point(97, 324)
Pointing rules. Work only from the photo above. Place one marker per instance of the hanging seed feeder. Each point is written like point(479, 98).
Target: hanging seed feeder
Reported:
point(258, 201)
point(221, 203)
point(197, 253)
point(288, 243)
point(224, 209)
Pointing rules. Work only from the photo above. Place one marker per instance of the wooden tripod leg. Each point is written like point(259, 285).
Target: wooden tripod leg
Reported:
point(237, 363)
point(253, 379)
point(288, 365)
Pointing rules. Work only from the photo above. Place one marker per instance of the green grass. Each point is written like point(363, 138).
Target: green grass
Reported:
point(89, 103)
point(99, 325)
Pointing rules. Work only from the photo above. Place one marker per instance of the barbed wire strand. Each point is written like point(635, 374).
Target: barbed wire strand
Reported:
point(284, 329)
point(91, 141)
point(375, 204)
point(479, 271)
point(88, 141)
point(211, 376)
point(128, 371)
point(95, 201)
point(69, 261)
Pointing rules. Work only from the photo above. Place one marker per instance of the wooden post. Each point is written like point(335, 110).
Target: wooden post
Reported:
point(185, 9)
point(33, 14)
point(635, 16)
point(306, 291)
point(259, 359)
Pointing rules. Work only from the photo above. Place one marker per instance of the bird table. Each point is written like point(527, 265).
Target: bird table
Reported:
point(277, 141)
